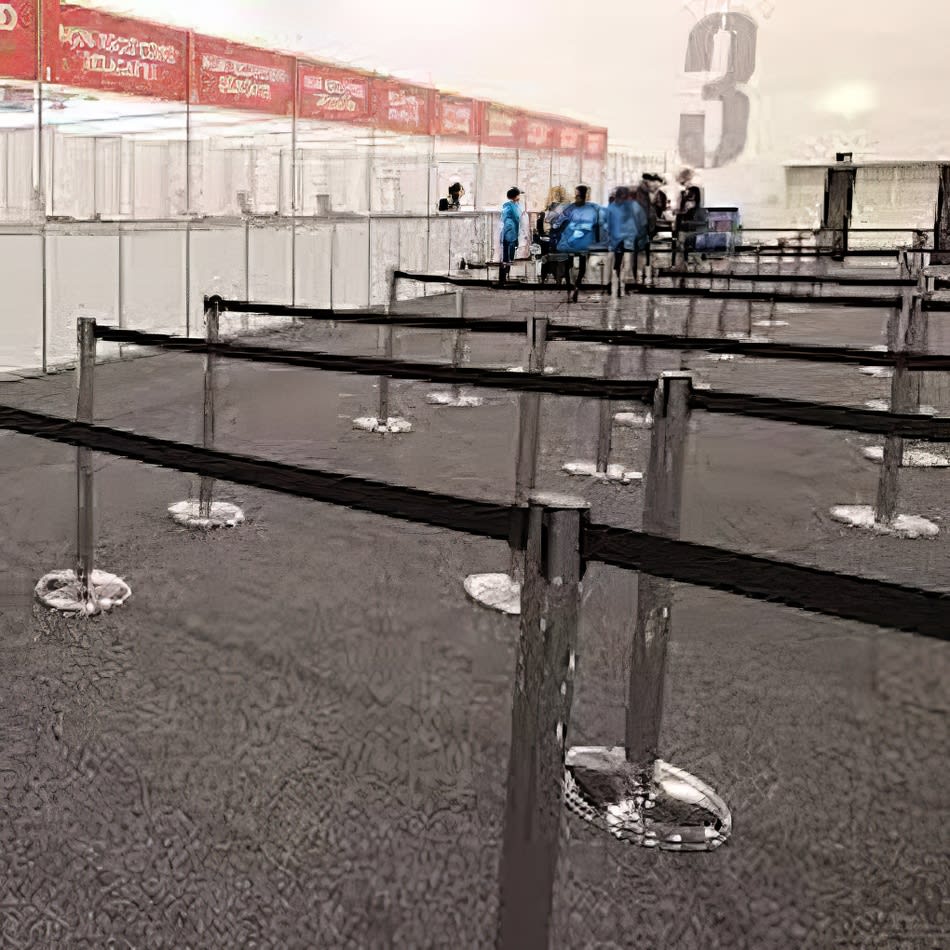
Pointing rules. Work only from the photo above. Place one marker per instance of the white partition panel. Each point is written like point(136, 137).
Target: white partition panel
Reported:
point(314, 247)
point(384, 257)
point(412, 254)
point(351, 264)
point(153, 294)
point(82, 280)
point(217, 266)
point(269, 260)
point(21, 317)
point(439, 241)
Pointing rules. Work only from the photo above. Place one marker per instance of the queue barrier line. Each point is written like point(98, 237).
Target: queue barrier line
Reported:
point(802, 412)
point(866, 600)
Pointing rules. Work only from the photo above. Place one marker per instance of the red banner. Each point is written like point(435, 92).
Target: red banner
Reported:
point(18, 24)
point(501, 127)
point(569, 138)
point(595, 146)
point(456, 116)
point(336, 94)
point(96, 50)
point(234, 76)
point(538, 133)
point(404, 108)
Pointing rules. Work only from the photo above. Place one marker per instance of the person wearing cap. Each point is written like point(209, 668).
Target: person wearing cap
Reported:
point(510, 231)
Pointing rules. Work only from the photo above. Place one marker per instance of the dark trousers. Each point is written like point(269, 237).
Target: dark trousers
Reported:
point(581, 271)
point(508, 249)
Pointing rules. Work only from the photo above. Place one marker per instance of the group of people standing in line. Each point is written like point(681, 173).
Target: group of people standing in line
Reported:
point(627, 224)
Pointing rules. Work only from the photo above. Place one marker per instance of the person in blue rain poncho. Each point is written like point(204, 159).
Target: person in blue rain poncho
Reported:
point(510, 231)
point(581, 225)
point(628, 229)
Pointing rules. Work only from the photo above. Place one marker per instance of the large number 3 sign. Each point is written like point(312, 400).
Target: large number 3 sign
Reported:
point(742, 32)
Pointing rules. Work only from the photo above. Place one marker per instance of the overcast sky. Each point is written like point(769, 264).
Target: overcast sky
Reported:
point(871, 67)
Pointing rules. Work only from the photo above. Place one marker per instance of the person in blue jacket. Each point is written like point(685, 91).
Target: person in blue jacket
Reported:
point(628, 229)
point(510, 231)
point(581, 224)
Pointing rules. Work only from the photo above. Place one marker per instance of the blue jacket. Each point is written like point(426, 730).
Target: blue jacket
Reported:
point(627, 226)
point(581, 227)
point(510, 221)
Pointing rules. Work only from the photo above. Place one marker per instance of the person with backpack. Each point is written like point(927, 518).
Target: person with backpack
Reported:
point(627, 229)
point(454, 200)
point(581, 224)
point(510, 231)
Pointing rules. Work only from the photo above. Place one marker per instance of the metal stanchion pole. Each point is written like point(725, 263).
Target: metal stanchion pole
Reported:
point(83, 589)
point(503, 591)
point(529, 432)
point(382, 414)
point(540, 718)
point(206, 484)
point(904, 327)
point(661, 516)
point(85, 507)
point(458, 350)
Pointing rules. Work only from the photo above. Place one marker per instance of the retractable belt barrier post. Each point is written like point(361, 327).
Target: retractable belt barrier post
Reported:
point(498, 591)
point(383, 422)
point(540, 719)
point(629, 791)
point(207, 513)
point(905, 333)
point(84, 590)
point(601, 468)
point(455, 397)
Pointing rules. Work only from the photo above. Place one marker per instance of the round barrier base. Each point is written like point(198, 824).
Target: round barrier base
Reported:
point(879, 372)
point(454, 401)
point(59, 590)
point(903, 526)
point(496, 591)
point(634, 420)
point(912, 458)
point(394, 424)
point(615, 472)
point(221, 514)
point(675, 812)
point(770, 323)
point(548, 370)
